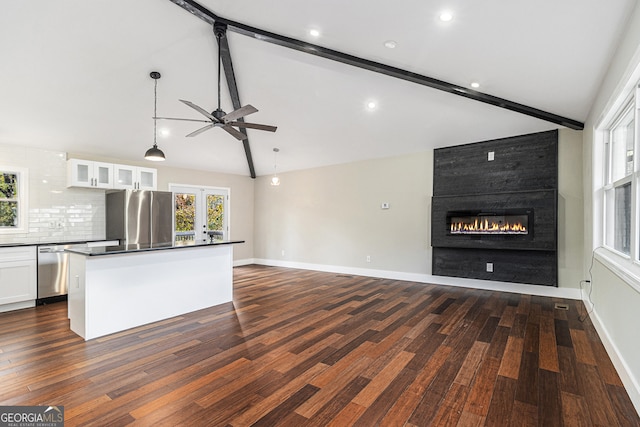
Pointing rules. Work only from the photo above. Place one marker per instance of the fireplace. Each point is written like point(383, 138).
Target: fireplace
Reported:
point(494, 210)
point(523, 220)
point(508, 222)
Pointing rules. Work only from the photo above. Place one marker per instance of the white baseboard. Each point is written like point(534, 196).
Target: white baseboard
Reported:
point(630, 384)
point(545, 291)
point(17, 306)
point(241, 262)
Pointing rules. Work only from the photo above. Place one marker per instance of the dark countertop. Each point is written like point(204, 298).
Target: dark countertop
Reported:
point(135, 248)
point(54, 242)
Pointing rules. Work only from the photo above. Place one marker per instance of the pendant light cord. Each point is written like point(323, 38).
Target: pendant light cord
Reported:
point(155, 108)
point(275, 161)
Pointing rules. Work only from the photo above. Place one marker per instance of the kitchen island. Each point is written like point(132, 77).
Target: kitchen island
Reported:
point(114, 288)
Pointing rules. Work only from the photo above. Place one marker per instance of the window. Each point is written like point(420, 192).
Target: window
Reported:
point(620, 180)
point(13, 199)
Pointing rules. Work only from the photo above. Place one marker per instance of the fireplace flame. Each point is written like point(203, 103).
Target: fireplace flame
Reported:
point(485, 226)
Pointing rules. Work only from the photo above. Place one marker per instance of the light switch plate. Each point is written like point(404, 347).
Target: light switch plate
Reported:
point(491, 155)
point(384, 206)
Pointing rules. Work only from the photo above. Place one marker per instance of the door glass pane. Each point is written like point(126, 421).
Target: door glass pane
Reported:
point(215, 216)
point(83, 173)
point(125, 176)
point(185, 219)
point(103, 175)
point(146, 179)
point(622, 219)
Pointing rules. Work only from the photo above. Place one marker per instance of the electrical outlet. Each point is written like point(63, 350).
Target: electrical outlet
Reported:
point(368, 258)
point(283, 252)
point(489, 267)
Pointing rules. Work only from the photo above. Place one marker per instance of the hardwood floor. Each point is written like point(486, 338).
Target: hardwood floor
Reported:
point(303, 348)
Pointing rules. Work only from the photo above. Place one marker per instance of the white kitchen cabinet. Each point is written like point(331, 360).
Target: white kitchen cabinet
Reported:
point(18, 277)
point(89, 174)
point(135, 178)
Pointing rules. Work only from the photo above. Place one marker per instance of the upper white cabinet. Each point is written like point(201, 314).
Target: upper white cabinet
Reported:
point(135, 178)
point(85, 173)
point(89, 174)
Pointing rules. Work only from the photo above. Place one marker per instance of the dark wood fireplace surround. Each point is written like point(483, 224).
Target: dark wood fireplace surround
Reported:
point(518, 174)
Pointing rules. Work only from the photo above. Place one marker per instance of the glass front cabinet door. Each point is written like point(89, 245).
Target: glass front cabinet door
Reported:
point(86, 173)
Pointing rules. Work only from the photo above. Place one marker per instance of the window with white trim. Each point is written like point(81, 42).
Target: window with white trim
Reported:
point(621, 180)
point(13, 199)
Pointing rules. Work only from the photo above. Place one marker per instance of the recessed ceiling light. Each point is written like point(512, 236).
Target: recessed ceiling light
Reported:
point(446, 16)
point(371, 105)
point(475, 85)
point(390, 44)
point(314, 33)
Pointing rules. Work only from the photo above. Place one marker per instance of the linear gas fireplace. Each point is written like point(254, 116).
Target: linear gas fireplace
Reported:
point(514, 222)
point(518, 220)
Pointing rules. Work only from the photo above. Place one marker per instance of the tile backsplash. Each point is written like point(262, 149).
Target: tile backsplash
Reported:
point(55, 212)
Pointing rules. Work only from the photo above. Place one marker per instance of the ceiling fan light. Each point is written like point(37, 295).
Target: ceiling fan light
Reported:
point(154, 154)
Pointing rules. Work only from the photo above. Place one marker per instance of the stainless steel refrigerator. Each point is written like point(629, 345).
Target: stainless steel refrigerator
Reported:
point(140, 217)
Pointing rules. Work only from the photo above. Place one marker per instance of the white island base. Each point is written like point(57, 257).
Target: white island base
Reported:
point(113, 292)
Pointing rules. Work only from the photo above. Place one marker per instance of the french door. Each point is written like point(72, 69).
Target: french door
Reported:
point(200, 214)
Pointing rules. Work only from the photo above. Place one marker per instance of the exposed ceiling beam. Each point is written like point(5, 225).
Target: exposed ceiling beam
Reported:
point(220, 31)
point(210, 17)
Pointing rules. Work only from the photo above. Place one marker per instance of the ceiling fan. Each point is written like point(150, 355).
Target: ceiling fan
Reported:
point(219, 118)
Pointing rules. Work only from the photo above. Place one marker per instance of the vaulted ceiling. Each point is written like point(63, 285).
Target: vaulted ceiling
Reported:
point(75, 75)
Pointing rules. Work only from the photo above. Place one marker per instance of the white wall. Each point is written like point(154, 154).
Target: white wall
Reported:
point(570, 209)
point(330, 218)
point(616, 305)
point(332, 215)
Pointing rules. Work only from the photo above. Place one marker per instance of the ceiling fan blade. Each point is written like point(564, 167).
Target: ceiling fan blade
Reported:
point(199, 131)
point(240, 112)
point(253, 126)
point(199, 109)
point(186, 120)
point(236, 133)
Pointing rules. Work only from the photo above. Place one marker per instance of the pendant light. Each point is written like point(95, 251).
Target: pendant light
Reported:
point(274, 179)
point(154, 153)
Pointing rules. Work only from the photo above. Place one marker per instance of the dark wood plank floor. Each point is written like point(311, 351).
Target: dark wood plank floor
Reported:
point(303, 348)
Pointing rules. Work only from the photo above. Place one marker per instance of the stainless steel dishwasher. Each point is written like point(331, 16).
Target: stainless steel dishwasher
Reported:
point(53, 265)
point(53, 269)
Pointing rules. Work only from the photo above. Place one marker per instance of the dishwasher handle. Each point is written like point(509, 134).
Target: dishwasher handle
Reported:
point(50, 250)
